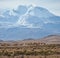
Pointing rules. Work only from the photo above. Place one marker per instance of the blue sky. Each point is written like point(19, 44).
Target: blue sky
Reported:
point(52, 5)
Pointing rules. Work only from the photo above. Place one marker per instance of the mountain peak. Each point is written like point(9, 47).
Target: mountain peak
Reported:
point(28, 22)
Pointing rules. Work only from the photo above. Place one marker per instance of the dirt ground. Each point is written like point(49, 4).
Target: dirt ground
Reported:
point(32, 56)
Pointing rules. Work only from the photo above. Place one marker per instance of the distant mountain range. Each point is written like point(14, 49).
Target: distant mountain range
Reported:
point(51, 39)
point(28, 22)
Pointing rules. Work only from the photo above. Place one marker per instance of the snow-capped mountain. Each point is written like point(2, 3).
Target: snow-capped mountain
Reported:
point(28, 22)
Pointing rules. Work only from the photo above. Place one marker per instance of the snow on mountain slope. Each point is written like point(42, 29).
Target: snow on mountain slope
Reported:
point(28, 22)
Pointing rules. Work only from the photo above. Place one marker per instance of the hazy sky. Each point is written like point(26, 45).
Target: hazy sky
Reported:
point(52, 5)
